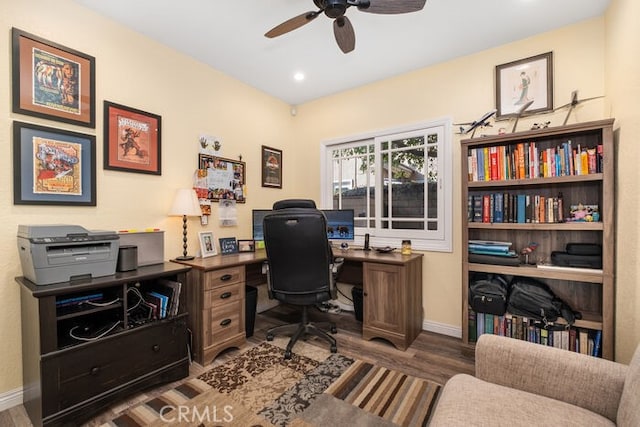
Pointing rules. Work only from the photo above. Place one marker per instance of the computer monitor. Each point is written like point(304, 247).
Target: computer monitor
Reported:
point(340, 224)
point(257, 215)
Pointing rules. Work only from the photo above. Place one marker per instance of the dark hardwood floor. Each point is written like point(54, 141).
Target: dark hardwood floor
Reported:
point(431, 356)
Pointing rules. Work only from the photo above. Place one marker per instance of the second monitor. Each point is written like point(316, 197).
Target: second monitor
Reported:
point(340, 223)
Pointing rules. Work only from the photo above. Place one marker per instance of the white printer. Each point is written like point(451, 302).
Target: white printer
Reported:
point(60, 253)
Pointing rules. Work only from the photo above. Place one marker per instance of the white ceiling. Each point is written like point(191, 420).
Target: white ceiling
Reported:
point(229, 36)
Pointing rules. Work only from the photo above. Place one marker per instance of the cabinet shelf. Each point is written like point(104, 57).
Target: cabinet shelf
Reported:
point(569, 179)
point(589, 292)
point(532, 271)
point(560, 226)
point(72, 312)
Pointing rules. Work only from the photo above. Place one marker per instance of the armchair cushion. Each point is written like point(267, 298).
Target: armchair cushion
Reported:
point(589, 382)
point(523, 384)
point(629, 410)
point(468, 401)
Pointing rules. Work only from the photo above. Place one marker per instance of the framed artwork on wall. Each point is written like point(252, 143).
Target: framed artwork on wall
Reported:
point(207, 244)
point(518, 82)
point(222, 179)
point(271, 167)
point(132, 140)
point(52, 81)
point(53, 166)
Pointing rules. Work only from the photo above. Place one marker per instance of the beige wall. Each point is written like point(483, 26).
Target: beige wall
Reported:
point(130, 69)
point(194, 99)
point(463, 90)
point(623, 88)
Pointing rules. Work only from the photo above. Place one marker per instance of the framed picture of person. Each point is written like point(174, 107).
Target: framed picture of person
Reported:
point(207, 244)
point(522, 81)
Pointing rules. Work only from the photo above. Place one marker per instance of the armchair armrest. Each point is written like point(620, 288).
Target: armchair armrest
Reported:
point(589, 382)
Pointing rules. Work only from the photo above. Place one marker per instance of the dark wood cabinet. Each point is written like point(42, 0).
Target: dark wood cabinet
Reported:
point(68, 375)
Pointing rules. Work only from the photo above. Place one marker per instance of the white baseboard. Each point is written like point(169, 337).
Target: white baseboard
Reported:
point(10, 399)
point(442, 328)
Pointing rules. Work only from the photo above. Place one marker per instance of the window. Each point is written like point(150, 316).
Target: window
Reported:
point(398, 182)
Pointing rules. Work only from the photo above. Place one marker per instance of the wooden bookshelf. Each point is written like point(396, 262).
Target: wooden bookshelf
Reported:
point(589, 292)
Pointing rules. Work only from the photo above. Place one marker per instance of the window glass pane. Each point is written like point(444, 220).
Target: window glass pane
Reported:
point(405, 178)
point(354, 182)
point(432, 177)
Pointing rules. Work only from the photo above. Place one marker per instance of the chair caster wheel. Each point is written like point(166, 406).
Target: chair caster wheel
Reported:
point(334, 349)
point(269, 337)
point(287, 355)
point(334, 330)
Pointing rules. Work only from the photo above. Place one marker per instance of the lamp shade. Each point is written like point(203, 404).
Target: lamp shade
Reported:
point(186, 203)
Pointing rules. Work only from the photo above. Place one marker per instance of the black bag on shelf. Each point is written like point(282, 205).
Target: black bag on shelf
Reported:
point(488, 293)
point(534, 299)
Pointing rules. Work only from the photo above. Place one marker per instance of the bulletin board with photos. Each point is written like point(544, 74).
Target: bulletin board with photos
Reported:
point(224, 179)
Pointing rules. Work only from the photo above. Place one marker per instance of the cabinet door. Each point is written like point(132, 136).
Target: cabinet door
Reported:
point(384, 293)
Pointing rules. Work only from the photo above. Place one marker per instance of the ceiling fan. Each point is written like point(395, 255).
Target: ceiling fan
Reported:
point(342, 28)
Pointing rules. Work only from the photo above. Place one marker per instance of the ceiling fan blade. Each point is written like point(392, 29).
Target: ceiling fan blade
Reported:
point(345, 36)
point(389, 7)
point(292, 24)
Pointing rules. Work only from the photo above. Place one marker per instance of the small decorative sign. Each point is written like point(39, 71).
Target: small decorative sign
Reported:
point(228, 245)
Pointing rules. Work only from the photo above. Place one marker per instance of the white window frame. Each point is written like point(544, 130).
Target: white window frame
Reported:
point(440, 241)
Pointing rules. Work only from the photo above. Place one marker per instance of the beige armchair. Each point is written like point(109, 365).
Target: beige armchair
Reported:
point(523, 384)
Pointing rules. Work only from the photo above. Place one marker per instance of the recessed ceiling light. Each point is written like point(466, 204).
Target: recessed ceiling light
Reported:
point(299, 76)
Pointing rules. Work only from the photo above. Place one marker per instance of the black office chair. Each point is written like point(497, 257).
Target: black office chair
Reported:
point(301, 267)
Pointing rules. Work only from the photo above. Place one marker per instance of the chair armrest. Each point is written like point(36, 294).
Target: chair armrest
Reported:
point(589, 382)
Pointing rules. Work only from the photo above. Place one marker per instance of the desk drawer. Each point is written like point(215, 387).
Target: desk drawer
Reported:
point(223, 322)
point(224, 276)
point(72, 377)
point(223, 295)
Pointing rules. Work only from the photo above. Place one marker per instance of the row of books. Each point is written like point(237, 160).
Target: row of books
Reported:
point(162, 299)
point(528, 160)
point(580, 340)
point(519, 208)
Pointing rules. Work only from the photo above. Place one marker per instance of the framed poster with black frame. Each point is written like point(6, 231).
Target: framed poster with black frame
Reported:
point(53, 166)
point(52, 81)
point(524, 80)
point(271, 167)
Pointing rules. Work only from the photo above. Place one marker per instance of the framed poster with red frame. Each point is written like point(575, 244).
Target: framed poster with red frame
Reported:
point(132, 140)
point(52, 81)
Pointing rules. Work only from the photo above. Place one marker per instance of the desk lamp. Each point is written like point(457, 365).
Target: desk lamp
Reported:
point(185, 204)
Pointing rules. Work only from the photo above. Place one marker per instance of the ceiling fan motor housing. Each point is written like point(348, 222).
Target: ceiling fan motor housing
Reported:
point(332, 8)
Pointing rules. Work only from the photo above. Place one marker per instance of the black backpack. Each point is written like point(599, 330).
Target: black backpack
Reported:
point(488, 293)
point(534, 299)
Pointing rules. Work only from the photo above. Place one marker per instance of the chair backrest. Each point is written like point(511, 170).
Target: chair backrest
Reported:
point(298, 253)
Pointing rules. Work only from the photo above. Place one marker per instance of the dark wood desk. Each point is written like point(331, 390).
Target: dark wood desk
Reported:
point(392, 297)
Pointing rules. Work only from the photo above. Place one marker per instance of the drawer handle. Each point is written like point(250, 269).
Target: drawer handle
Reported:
point(226, 277)
point(226, 295)
point(225, 322)
point(155, 348)
point(94, 371)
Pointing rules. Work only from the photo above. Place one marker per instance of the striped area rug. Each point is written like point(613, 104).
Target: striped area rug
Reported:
point(402, 399)
point(314, 388)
